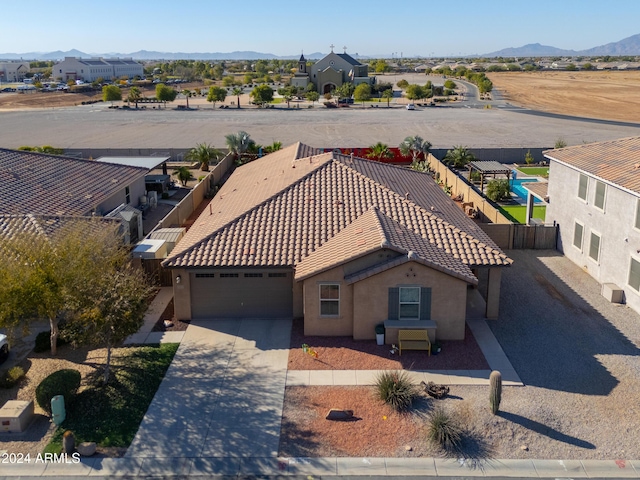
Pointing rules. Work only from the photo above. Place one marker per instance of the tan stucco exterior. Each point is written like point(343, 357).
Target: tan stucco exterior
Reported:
point(182, 294)
point(364, 304)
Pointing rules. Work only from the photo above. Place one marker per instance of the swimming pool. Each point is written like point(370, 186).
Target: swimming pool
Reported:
point(519, 190)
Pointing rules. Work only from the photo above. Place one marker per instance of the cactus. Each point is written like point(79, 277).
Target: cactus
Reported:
point(495, 391)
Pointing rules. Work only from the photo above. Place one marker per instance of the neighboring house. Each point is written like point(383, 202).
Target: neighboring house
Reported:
point(331, 72)
point(13, 71)
point(594, 197)
point(48, 225)
point(41, 184)
point(345, 242)
point(72, 68)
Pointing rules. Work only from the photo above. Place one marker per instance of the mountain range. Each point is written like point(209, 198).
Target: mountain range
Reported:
point(626, 46)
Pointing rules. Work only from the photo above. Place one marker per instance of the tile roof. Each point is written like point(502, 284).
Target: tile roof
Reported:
point(56, 185)
point(49, 224)
point(614, 161)
point(373, 231)
point(278, 210)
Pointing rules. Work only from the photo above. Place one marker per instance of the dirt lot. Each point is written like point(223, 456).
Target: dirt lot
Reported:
point(611, 95)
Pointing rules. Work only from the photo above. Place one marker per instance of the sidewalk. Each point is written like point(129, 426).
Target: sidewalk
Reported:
point(155, 310)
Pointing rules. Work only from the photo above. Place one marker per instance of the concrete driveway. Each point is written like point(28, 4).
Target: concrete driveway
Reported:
point(222, 396)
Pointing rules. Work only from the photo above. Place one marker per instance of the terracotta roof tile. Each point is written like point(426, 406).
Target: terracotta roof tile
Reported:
point(615, 161)
point(284, 216)
point(57, 185)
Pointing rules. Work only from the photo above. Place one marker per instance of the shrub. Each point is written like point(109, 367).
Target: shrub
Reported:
point(528, 158)
point(63, 382)
point(443, 430)
point(12, 377)
point(498, 190)
point(395, 389)
point(43, 340)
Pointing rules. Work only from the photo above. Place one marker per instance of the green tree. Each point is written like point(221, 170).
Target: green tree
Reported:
point(528, 158)
point(313, 96)
point(414, 146)
point(571, 67)
point(135, 95)
point(458, 157)
point(345, 90)
point(450, 84)
point(275, 146)
point(228, 81)
point(379, 151)
point(216, 94)
point(262, 94)
point(381, 66)
point(187, 94)
point(111, 93)
point(387, 95)
point(237, 92)
point(402, 84)
point(498, 190)
point(184, 175)
point(587, 66)
point(415, 92)
point(239, 143)
point(165, 94)
point(287, 93)
point(362, 93)
point(204, 154)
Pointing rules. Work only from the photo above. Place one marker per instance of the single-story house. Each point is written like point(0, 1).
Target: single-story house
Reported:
point(345, 242)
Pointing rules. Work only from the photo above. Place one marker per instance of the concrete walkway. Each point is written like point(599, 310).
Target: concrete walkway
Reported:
point(154, 312)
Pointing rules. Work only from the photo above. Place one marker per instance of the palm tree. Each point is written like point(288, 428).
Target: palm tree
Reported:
point(134, 95)
point(388, 95)
point(458, 157)
point(237, 91)
point(187, 94)
point(379, 151)
point(204, 154)
point(183, 174)
point(239, 143)
point(414, 146)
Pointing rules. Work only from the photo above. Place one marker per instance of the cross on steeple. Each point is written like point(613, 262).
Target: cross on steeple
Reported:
point(331, 46)
point(345, 49)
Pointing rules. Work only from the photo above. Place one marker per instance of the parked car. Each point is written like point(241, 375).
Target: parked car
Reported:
point(8, 89)
point(411, 106)
point(4, 348)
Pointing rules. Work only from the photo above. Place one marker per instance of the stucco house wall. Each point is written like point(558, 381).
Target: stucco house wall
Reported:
point(619, 239)
point(448, 300)
point(314, 323)
point(136, 190)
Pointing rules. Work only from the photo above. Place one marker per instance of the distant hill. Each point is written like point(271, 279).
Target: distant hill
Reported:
point(626, 46)
point(154, 55)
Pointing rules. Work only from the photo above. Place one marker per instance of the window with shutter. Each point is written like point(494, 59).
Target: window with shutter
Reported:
point(409, 303)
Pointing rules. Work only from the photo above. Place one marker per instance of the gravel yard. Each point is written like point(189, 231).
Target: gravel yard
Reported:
point(576, 353)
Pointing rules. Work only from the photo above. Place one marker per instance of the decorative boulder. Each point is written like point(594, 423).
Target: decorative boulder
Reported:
point(86, 449)
point(339, 415)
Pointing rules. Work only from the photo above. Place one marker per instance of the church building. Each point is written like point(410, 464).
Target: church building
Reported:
point(331, 72)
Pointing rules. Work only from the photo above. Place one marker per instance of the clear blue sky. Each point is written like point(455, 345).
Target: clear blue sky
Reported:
point(287, 27)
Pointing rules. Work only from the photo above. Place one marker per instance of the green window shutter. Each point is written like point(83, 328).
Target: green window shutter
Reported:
point(425, 304)
point(394, 303)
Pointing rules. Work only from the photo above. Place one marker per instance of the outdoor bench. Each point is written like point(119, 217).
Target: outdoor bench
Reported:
point(413, 340)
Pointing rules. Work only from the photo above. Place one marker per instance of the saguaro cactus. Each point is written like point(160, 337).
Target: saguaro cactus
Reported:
point(495, 391)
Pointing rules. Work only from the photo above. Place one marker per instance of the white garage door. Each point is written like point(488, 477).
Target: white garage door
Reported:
point(241, 294)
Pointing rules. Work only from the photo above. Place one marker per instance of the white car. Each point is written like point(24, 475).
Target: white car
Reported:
point(411, 106)
point(4, 348)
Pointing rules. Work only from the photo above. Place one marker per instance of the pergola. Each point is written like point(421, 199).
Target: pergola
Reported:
point(535, 190)
point(488, 167)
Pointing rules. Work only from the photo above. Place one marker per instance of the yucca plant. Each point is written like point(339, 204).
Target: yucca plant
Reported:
point(396, 389)
point(443, 430)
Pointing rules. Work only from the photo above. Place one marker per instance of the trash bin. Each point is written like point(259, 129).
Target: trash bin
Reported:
point(58, 413)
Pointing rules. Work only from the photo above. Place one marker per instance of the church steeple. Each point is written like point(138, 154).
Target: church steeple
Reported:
point(302, 64)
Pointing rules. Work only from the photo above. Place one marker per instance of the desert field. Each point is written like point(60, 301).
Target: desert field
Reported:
point(610, 95)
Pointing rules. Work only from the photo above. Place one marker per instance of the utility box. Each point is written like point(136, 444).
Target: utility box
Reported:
point(612, 292)
point(16, 416)
point(58, 413)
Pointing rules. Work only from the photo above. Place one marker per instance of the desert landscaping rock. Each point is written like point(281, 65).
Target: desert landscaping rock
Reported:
point(86, 449)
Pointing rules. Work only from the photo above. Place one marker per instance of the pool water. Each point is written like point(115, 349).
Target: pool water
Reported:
point(520, 191)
